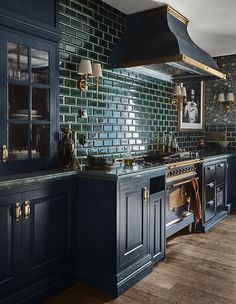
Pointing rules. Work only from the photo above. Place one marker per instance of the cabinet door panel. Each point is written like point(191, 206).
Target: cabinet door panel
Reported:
point(210, 210)
point(220, 173)
point(28, 110)
point(209, 174)
point(133, 222)
point(210, 192)
point(10, 231)
point(49, 228)
point(157, 226)
point(220, 197)
point(47, 232)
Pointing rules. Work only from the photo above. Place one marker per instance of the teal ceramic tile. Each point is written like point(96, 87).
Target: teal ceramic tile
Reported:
point(90, 30)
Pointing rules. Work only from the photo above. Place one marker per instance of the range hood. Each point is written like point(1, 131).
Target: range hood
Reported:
point(156, 43)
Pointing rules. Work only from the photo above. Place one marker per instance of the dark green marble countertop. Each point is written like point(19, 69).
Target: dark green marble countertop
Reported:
point(137, 169)
point(210, 156)
point(24, 179)
point(118, 173)
point(114, 173)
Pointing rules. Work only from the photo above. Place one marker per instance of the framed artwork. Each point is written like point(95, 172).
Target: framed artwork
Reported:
point(190, 115)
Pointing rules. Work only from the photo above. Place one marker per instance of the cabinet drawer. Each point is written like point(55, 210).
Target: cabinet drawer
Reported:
point(220, 173)
point(209, 192)
point(209, 210)
point(209, 174)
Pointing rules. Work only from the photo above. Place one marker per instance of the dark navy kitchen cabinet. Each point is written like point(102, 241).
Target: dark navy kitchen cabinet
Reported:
point(10, 236)
point(213, 192)
point(157, 216)
point(41, 13)
point(157, 226)
point(231, 182)
point(38, 243)
point(39, 18)
point(133, 220)
point(29, 76)
point(113, 232)
point(121, 228)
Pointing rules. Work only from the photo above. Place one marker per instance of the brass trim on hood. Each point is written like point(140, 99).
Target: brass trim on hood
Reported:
point(203, 67)
point(178, 58)
point(170, 10)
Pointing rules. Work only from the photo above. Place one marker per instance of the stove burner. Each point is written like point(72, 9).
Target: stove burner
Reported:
point(155, 160)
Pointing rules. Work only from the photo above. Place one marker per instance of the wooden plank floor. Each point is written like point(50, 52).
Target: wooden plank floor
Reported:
point(200, 268)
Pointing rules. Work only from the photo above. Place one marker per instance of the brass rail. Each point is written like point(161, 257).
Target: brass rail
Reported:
point(184, 182)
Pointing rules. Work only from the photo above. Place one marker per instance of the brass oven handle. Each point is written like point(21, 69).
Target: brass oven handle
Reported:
point(184, 182)
point(26, 209)
point(17, 211)
point(145, 194)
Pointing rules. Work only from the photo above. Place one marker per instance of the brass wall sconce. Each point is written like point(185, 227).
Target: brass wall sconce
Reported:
point(178, 96)
point(86, 70)
point(227, 102)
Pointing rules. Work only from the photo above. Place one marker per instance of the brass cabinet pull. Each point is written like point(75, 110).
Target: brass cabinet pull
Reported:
point(145, 194)
point(26, 209)
point(4, 153)
point(17, 211)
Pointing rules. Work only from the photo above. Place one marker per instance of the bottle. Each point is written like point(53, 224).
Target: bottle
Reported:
point(157, 143)
point(175, 145)
point(169, 142)
point(164, 143)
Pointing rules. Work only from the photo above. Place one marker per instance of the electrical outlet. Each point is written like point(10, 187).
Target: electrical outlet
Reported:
point(82, 139)
point(83, 113)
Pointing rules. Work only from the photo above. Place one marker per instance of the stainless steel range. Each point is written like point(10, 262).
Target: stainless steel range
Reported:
point(181, 194)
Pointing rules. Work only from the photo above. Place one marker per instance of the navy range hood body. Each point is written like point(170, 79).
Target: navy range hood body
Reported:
point(157, 40)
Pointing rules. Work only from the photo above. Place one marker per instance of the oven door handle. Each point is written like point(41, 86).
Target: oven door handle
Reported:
point(183, 182)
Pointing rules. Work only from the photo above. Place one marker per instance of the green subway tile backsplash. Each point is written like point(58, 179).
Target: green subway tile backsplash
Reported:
point(131, 108)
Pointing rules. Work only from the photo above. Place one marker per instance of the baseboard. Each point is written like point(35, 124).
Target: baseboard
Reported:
point(44, 288)
point(115, 283)
point(134, 278)
point(231, 206)
point(214, 221)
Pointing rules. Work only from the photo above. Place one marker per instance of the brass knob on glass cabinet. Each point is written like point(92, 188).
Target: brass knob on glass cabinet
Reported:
point(17, 211)
point(4, 153)
point(26, 209)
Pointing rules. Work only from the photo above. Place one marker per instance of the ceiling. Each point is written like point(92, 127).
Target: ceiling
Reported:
point(212, 23)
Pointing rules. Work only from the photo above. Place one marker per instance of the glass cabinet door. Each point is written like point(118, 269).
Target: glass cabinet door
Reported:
point(28, 101)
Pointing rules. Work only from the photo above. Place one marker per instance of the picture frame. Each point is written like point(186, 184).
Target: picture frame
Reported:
point(191, 113)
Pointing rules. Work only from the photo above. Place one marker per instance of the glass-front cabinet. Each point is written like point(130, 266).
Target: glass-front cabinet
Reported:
point(28, 101)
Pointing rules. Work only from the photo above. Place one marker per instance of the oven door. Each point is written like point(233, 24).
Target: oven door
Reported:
point(179, 195)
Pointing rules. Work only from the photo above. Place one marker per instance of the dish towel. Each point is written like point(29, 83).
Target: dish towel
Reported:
point(196, 207)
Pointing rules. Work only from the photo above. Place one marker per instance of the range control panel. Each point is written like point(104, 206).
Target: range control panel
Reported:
point(181, 170)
